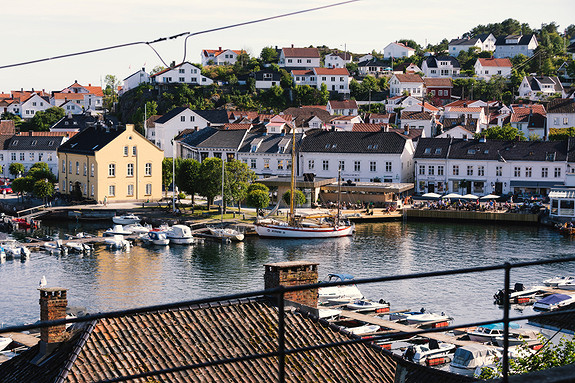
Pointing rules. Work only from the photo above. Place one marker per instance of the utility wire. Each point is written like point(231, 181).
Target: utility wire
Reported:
point(187, 34)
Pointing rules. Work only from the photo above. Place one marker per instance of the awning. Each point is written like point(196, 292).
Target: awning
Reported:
point(535, 184)
point(562, 193)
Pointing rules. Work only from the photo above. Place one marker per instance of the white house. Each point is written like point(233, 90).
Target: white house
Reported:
point(72, 107)
point(374, 67)
point(483, 42)
point(31, 147)
point(135, 79)
point(397, 50)
point(530, 119)
point(424, 121)
point(265, 79)
point(487, 68)
point(405, 103)
point(455, 132)
point(211, 143)
point(301, 58)
point(345, 123)
point(268, 154)
point(536, 88)
point(343, 108)
point(184, 73)
point(361, 156)
point(513, 45)
point(336, 79)
point(220, 56)
point(484, 167)
point(467, 116)
point(337, 59)
point(561, 113)
point(442, 66)
point(32, 105)
point(92, 96)
point(412, 84)
point(179, 119)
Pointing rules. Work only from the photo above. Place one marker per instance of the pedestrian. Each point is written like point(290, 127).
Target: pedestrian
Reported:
point(106, 201)
point(4, 192)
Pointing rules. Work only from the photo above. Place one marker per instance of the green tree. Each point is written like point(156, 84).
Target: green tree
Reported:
point(187, 177)
point(110, 91)
point(210, 178)
point(269, 55)
point(505, 132)
point(298, 200)
point(167, 174)
point(16, 168)
point(258, 196)
point(560, 134)
point(238, 178)
point(23, 185)
point(41, 171)
point(44, 119)
point(43, 189)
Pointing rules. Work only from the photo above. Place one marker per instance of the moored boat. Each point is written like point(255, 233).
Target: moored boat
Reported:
point(180, 235)
point(520, 336)
point(155, 238)
point(117, 230)
point(126, 219)
point(4, 342)
point(553, 302)
point(519, 295)
point(555, 281)
point(56, 247)
point(339, 294)
point(227, 233)
point(489, 332)
point(362, 330)
point(432, 353)
point(137, 228)
point(366, 305)
point(468, 358)
point(117, 242)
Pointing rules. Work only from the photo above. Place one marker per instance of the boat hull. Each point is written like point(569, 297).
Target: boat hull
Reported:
point(181, 240)
point(284, 231)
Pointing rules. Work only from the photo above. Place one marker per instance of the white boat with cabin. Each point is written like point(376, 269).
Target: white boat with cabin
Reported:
point(4, 342)
point(137, 228)
point(555, 281)
point(116, 230)
point(362, 330)
point(468, 358)
point(180, 235)
point(490, 332)
point(553, 302)
point(117, 242)
point(339, 294)
point(519, 336)
point(126, 219)
point(227, 233)
point(360, 305)
point(79, 247)
point(158, 238)
point(424, 353)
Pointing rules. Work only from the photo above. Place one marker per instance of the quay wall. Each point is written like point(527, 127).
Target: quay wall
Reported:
point(464, 215)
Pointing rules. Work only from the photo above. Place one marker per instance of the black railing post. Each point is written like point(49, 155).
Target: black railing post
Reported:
point(281, 336)
point(506, 308)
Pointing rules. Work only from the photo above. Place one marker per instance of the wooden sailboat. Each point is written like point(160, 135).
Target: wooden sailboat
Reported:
point(328, 226)
point(221, 232)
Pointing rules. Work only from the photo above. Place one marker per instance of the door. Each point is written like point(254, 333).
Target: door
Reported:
point(431, 188)
point(499, 188)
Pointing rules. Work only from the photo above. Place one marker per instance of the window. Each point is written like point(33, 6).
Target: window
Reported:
point(112, 170)
point(70, 167)
point(266, 163)
point(71, 186)
point(130, 190)
point(357, 166)
point(422, 170)
point(565, 120)
point(92, 170)
point(77, 168)
point(469, 170)
point(528, 172)
point(372, 166)
point(85, 169)
point(481, 171)
point(498, 171)
point(130, 172)
point(439, 170)
point(431, 170)
point(517, 172)
point(125, 150)
point(253, 163)
point(183, 118)
point(310, 164)
point(111, 190)
point(63, 165)
point(134, 151)
point(325, 165)
point(388, 166)
point(544, 172)
point(182, 79)
point(148, 189)
point(555, 120)
point(13, 158)
point(342, 165)
point(92, 190)
point(280, 164)
point(31, 156)
point(181, 71)
point(557, 172)
point(192, 118)
point(21, 156)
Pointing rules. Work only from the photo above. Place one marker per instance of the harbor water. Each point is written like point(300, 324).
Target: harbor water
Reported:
point(108, 280)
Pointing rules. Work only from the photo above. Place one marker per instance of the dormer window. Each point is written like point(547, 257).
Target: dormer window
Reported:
point(15, 142)
point(427, 150)
point(34, 143)
point(438, 151)
point(471, 151)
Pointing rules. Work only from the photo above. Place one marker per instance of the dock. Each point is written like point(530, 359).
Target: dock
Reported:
point(21, 338)
point(473, 216)
point(404, 328)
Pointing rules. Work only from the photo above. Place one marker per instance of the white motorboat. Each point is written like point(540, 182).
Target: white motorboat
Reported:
point(4, 342)
point(117, 230)
point(339, 294)
point(137, 228)
point(555, 281)
point(14, 249)
point(489, 332)
point(155, 238)
point(79, 247)
point(519, 295)
point(56, 247)
point(366, 305)
point(117, 242)
point(467, 358)
point(567, 285)
point(553, 302)
point(126, 219)
point(327, 313)
point(362, 330)
point(519, 336)
point(431, 354)
point(425, 317)
point(180, 235)
point(227, 233)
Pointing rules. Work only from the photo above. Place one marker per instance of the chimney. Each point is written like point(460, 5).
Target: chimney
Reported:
point(219, 48)
point(295, 273)
point(89, 84)
point(292, 45)
point(406, 129)
point(423, 106)
point(53, 303)
point(30, 133)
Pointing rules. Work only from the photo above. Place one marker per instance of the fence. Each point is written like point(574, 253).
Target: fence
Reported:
point(280, 291)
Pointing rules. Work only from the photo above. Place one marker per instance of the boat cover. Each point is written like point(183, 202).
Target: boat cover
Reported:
point(471, 356)
point(342, 276)
point(554, 299)
point(499, 326)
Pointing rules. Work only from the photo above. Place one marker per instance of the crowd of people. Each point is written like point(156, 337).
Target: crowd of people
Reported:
point(476, 205)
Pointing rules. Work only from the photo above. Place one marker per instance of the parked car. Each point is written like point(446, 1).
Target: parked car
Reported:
point(6, 188)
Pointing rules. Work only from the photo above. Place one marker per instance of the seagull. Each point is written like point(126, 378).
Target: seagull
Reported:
point(43, 282)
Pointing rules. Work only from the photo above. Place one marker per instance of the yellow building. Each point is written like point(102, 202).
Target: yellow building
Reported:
point(109, 164)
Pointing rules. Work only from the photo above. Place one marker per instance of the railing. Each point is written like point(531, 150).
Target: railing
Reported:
point(30, 210)
point(280, 291)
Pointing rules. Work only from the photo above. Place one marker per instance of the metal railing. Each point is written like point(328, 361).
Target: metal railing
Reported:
point(280, 292)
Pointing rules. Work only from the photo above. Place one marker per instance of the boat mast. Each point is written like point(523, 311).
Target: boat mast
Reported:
point(338, 194)
point(291, 219)
point(222, 207)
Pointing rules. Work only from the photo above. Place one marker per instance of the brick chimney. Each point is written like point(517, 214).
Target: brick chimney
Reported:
point(294, 273)
point(53, 303)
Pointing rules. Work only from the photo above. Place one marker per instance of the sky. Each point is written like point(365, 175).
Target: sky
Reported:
point(38, 29)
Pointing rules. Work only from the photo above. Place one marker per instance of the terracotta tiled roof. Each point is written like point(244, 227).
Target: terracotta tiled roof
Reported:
point(68, 96)
point(404, 46)
point(505, 62)
point(363, 127)
point(95, 90)
point(302, 72)
point(415, 115)
point(301, 52)
point(438, 82)
point(315, 106)
point(7, 127)
point(343, 118)
point(236, 126)
point(151, 121)
point(345, 104)
point(47, 134)
point(408, 77)
point(414, 134)
point(534, 114)
point(429, 107)
point(331, 71)
point(462, 109)
point(4, 96)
